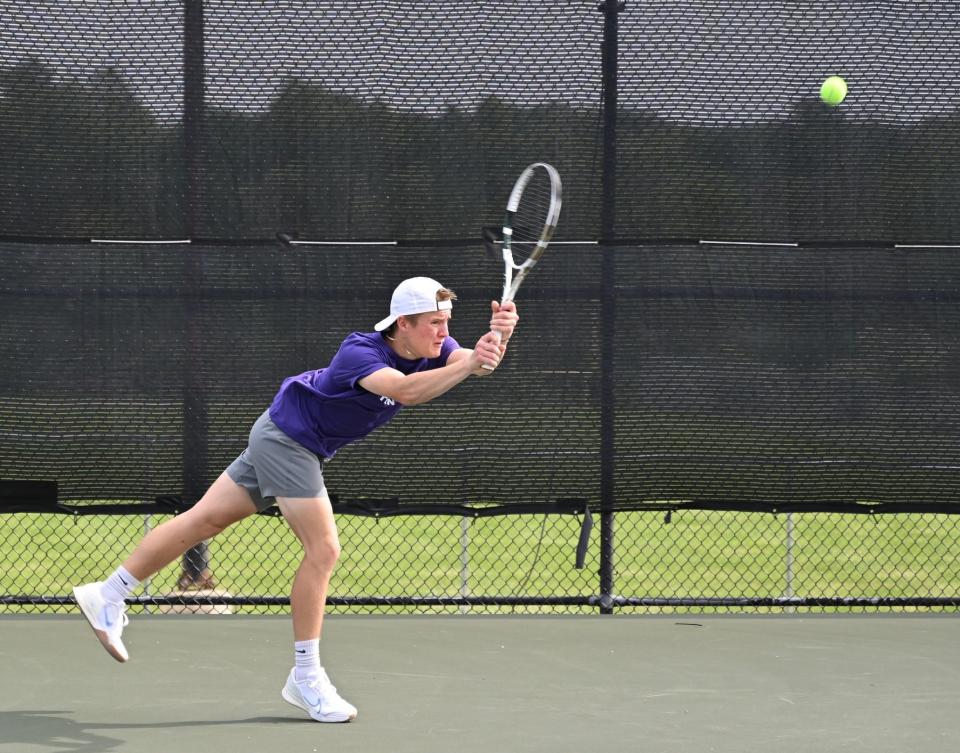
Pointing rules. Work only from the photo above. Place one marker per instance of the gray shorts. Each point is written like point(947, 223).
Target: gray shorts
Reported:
point(274, 465)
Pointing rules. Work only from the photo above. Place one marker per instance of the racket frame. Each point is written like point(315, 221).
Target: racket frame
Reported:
point(514, 274)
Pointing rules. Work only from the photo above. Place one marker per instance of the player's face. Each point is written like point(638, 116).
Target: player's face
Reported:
point(426, 336)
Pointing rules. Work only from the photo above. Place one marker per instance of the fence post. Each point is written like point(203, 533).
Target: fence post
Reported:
point(788, 564)
point(608, 222)
point(196, 561)
point(464, 562)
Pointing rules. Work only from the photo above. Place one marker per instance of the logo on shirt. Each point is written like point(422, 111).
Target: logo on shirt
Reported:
point(387, 400)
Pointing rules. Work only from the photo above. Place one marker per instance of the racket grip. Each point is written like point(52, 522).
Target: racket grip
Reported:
point(499, 336)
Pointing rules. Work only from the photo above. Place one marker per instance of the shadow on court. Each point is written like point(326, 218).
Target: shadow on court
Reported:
point(52, 730)
point(56, 730)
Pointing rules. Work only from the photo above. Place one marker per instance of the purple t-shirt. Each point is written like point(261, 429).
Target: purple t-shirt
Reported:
point(325, 409)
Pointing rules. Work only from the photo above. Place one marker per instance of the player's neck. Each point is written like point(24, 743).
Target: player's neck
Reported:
point(401, 347)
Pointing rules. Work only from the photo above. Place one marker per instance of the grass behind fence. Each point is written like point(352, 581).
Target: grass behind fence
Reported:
point(705, 554)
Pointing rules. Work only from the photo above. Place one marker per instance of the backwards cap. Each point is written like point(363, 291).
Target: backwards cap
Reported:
point(416, 295)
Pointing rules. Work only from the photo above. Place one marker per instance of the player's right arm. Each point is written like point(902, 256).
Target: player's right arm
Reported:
point(423, 386)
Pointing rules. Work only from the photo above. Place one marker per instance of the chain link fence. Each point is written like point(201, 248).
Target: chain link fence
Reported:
point(685, 560)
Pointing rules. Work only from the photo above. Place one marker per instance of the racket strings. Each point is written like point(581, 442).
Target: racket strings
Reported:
point(533, 209)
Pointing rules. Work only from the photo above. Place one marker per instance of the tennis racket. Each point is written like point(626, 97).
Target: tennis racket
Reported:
point(528, 224)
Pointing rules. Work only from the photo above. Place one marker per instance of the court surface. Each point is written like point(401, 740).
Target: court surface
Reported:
point(490, 683)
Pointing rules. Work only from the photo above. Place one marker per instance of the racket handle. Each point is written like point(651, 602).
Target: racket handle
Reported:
point(499, 336)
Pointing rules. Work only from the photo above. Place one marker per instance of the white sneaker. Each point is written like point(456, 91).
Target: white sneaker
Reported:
point(107, 618)
point(318, 698)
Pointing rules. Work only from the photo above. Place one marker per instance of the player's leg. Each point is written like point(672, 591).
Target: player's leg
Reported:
point(308, 686)
point(313, 523)
point(102, 603)
point(225, 503)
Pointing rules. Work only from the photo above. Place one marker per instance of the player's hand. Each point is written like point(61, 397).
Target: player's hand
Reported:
point(486, 354)
point(504, 319)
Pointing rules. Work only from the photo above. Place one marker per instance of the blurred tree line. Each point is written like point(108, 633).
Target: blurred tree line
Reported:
point(89, 159)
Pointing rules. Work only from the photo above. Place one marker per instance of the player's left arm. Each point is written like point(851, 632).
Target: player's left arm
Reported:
point(504, 319)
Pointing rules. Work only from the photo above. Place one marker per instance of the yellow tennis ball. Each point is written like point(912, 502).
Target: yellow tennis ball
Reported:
point(833, 90)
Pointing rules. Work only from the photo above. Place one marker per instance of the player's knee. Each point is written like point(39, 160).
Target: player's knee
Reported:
point(209, 524)
point(323, 555)
point(217, 526)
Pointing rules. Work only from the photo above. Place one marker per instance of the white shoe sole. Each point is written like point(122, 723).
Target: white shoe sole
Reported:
point(86, 610)
point(325, 717)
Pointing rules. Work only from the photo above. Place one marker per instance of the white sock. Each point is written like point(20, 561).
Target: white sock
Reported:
point(307, 656)
point(118, 586)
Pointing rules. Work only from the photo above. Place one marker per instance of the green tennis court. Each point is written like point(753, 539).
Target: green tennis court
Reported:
point(490, 683)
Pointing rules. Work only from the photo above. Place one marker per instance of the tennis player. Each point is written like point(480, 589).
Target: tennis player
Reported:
point(409, 359)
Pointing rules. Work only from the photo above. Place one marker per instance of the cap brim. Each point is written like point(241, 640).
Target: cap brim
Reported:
point(384, 323)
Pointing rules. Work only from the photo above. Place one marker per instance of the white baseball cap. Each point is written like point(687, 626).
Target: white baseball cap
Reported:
point(413, 296)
